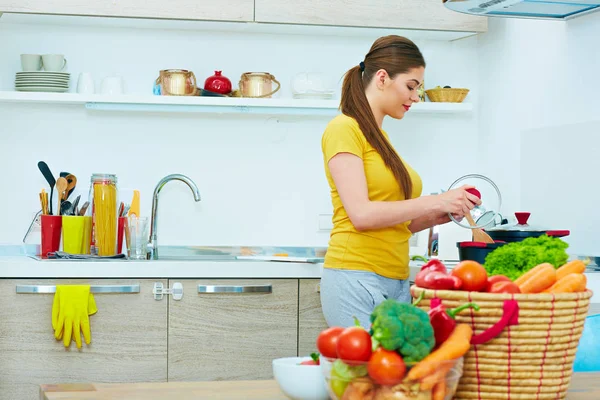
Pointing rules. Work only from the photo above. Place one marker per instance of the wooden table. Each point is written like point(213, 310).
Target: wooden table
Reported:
point(584, 386)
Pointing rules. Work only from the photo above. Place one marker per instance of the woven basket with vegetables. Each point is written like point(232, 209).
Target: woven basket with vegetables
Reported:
point(527, 307)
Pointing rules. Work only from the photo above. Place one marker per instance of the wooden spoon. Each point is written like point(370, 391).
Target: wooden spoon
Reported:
point(61, 191)
point(72, 182)
point(478, 234)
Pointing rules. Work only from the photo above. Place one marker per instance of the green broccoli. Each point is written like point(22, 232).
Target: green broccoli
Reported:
point(404, 328)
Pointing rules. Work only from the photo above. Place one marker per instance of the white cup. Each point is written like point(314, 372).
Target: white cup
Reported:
point(54, 62)
point(112, 85)
point(31, 62)
point(85, 83)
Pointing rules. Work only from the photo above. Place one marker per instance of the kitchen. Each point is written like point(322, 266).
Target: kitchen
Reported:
point(260, 176)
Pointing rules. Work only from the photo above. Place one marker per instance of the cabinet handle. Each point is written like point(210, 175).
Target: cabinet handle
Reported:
point(235, 289)
point(93, 288)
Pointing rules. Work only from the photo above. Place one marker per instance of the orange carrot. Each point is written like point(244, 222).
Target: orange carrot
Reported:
point(430, 381)
point(439, 391)
point(571, 283)
point(457, 345)
point(575, 266)
point(533, 271)
point(543, 277)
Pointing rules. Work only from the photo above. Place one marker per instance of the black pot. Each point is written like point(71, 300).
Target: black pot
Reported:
point(476, 251)
point(518, 235)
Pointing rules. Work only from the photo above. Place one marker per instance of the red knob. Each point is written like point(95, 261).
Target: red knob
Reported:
point(474, 192)
point(522, 217)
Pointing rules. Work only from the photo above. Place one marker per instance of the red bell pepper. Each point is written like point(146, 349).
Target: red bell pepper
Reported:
point(434, 275)
point(443, 321)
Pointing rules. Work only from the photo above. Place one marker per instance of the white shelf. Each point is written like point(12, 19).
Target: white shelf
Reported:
point(217, 105)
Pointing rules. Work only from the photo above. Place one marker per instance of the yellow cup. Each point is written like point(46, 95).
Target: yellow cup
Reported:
point(76, 234)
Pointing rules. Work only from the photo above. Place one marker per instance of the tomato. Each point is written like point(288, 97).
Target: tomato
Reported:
point(504, 287)
point(315, 360)
point(496, 278)
point(473, 275)
point(354, 344)
point(327, 340)
point(386, 367)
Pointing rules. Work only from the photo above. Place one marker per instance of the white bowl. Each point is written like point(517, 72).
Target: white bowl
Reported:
point(300, 382)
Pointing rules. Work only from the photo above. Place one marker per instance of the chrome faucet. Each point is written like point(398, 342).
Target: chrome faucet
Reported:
point(153, 245)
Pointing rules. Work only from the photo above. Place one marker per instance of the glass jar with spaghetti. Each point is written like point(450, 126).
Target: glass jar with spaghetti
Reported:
point(103, 201)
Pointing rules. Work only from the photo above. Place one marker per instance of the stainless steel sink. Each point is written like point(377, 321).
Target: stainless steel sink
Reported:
point(229, 253)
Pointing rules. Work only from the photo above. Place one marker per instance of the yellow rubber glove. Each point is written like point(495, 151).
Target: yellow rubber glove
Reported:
point(70, 313)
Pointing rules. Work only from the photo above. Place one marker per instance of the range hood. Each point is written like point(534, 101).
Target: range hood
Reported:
point(540, 9)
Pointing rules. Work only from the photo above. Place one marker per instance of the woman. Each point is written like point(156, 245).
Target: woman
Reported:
point(375, 194)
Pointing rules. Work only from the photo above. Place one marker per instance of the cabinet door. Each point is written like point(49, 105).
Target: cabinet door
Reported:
point(310, 316)
point(223, 10)
point(231, 336)
point(129, 339)
point(405, 14)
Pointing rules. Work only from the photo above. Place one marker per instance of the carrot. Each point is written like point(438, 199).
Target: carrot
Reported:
point(543, 277)
point(571, 283)
point(430, 381)
point(439, 391)
point(575, 266)
point(457, 345)
point(533, 271)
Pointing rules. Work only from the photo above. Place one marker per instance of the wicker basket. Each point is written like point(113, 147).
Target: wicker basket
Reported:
point(447, 95)
point(532, 358)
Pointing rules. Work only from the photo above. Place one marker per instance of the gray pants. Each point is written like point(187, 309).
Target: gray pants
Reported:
point(346, 294)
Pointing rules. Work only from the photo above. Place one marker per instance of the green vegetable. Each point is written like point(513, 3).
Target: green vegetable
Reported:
point(514, 259)
point(404, 328)
point(342, 374)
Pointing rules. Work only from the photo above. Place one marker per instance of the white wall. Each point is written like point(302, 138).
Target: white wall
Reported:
point(539, 121)
point(261, 179)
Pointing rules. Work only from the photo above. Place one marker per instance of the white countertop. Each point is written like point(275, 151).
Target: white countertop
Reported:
point(26, 267)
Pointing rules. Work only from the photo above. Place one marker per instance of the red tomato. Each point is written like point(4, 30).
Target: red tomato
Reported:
point(386, 367)
point(472, 274)
point(327, 340)
point(354, 344)
point(309, 362)
point(496, 278)
point(504, 287)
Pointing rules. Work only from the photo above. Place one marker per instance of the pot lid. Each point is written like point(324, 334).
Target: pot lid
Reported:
point(487, 213)
point(523, 225)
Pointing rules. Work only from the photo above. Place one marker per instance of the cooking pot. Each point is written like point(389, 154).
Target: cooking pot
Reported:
point(258, 84)
point(521, 230)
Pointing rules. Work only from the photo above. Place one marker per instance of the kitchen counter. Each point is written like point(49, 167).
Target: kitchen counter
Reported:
point(584, 386)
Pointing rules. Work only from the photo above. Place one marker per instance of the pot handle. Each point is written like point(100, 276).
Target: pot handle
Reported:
point(558, 233)
point(510, 316)
point(195, 86)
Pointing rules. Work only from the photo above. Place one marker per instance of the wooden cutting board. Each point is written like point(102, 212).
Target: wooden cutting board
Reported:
point(584, 386)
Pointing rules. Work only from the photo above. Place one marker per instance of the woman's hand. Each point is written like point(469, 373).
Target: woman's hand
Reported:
point(458, 201)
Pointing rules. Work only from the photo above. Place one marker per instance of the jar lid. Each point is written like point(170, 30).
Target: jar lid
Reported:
point(486, 213)
point(103, 177)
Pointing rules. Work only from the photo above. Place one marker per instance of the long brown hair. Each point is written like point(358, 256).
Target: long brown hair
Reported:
point(396, 55)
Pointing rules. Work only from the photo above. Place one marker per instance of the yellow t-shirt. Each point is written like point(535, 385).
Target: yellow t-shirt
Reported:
point(383, 251)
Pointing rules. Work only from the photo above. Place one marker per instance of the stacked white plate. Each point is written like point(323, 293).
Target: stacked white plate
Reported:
point(42, 81)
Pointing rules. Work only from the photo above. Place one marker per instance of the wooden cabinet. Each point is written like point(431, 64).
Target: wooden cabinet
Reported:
point(231, 335)
point(310, 316)
point(223, 10)
point(403, 14)
point(129, 339)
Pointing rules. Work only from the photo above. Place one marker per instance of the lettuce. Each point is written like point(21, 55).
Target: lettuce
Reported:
point(514, 259)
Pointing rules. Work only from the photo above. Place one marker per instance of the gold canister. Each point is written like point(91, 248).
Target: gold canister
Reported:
point(258, 84)
point(177, 82)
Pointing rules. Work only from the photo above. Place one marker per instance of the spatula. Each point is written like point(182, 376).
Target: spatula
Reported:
point(49, 178)
point(478, 234)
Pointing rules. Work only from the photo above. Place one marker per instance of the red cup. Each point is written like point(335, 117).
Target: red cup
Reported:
point(120, 230)
point(51, 232)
